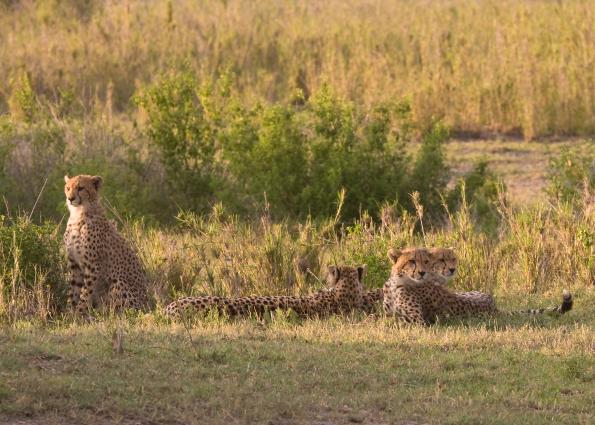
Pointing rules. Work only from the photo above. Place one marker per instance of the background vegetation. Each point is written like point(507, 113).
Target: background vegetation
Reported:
point(495, 66)
point(247, 145)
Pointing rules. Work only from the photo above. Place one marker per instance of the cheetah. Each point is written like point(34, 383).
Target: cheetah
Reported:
point(416, 294)
point(343, 295)
point(103, 268)
point(442, 261)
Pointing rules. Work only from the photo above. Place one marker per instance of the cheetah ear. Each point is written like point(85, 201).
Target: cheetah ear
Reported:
point(361, 272)
point(66, 179)
point(394, 254)
point(333, 274)
point(97, 182)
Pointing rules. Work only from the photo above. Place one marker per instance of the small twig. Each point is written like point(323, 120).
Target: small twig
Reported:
point(187, 328)
point(419, 210)
point(113, 210)
point(38, 197)
point(315, 277)
point(7, 209)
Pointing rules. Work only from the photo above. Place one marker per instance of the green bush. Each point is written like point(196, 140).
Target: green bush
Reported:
point(430, 172)
point(479, 190)
point(298, 157)
point(571, 172)
point(31, 258)
point(182, 129)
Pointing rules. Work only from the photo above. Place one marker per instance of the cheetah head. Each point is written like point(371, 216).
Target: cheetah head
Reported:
point(81, 190)
point(411, 262)
point(346, 277)
point(443, 261)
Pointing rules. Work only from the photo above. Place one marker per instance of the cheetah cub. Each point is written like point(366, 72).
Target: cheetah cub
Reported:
point(104, 269)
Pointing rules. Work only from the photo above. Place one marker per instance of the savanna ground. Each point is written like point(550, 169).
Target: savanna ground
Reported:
point(244, 147)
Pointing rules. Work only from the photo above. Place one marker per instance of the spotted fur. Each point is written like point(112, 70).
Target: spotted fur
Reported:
point(104, 269)
point(441, 261)
point(343, 295)
point(415, 294)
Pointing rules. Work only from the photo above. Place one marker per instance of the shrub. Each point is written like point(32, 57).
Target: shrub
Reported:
point(571, 172)
point(31, 159)
point(296, 156)
point(430, 173)
point(181, 129)
point(31, 274)
point(478, 190)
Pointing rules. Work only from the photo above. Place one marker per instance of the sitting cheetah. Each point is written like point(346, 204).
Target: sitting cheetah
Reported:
point(416, 294)
point(103, 267)
point(442, 261)
point(344, 295)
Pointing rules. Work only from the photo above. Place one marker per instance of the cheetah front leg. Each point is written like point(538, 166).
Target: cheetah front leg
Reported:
point(388, 300)
point(75, 283)
point(413, 312)
point(93, 271)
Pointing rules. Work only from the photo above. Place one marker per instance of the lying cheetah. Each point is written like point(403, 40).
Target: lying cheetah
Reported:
point(344, 295)
point(415, 294)
point(442, 261)
point(103, 267)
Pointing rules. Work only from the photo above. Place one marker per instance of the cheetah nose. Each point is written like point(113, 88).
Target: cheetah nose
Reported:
point(422, 274)
point(452, 270)
point(71, 199)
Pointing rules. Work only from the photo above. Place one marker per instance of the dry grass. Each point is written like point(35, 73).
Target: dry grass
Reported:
point(505, 66)
point(536, 252)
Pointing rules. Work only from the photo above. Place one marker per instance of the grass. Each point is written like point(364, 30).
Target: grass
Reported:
point(521, 165)
point(337, 371)
point(496, 66)
point(282, 371)
point(485, 68)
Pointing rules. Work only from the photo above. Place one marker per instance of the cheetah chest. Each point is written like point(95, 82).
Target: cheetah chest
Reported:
point(73, 242)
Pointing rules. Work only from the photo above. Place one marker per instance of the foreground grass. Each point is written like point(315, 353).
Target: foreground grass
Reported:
point(350, 370)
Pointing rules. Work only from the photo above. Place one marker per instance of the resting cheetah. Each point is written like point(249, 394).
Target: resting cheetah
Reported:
point(416, 295)
point(344, 295)
point(442, 261)
point(103, 267)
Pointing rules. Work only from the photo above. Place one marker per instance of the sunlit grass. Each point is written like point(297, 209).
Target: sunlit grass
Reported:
point(338, 370)
point(523, 67)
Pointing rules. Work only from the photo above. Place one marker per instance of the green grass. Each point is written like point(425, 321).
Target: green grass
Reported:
point(335, 371)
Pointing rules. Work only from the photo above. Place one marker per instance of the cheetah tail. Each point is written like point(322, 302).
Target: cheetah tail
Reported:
point(566, 306)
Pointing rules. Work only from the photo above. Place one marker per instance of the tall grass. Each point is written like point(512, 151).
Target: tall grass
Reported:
point(536, 253)
point(496, 66)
